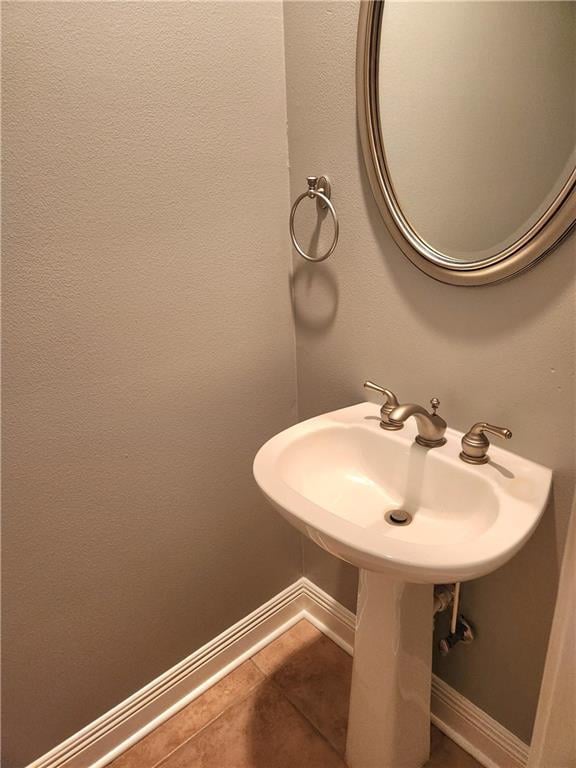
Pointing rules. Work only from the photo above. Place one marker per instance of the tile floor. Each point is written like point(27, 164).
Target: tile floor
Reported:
point(284, 708)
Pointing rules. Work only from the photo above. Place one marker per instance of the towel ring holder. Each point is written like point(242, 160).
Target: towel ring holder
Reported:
point(319, 188)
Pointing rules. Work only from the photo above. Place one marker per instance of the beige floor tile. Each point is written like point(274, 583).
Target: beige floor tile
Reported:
point(170, 735)
point(273, 656)
point(446, 754)
point(314, 674)
point(263, 731)
point(267, 714)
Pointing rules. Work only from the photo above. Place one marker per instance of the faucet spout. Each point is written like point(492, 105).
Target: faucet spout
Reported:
point(431, 427)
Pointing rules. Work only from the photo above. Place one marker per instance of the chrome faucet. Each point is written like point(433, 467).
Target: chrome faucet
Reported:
point(431, 427)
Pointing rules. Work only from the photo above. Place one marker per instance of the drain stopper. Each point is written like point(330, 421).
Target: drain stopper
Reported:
point(398, 517)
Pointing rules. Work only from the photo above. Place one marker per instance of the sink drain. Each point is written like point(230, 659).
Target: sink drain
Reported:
point(398, 517)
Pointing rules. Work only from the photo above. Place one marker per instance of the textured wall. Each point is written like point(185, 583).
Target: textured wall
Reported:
point(504, 353)
point(148, 344)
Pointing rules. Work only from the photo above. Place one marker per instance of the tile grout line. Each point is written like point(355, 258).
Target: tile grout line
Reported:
point(267, 678)
point(242, 697)
point(302, 714)
point(114, 733)
point(286, 696)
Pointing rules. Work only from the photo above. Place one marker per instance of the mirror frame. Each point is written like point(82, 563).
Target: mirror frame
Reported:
point(554, 224)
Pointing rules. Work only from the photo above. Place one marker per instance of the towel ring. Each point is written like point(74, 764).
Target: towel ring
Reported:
point(322, 195)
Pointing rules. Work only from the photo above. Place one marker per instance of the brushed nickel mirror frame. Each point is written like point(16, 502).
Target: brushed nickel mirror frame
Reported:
point(554, 224)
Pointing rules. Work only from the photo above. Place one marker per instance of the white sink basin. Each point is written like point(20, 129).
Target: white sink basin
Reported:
point(337, 475)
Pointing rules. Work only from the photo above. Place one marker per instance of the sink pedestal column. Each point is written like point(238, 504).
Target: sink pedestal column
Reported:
point(389, 721)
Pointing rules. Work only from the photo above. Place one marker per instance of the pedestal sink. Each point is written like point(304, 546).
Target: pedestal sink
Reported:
point(340, 479)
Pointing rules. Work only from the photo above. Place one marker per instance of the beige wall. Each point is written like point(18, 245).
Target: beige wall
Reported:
point(504, 353)
point(148, 344)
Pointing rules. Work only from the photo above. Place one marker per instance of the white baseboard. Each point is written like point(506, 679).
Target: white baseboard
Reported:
point(475, 731)
point(100, 742)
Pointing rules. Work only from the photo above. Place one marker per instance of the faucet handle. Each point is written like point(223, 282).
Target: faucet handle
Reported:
point(390, 396)
point(502, 432)
point(475, 444)
point(389, 404)
point(435, 403)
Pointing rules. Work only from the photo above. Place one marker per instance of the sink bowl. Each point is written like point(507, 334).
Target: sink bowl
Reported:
point(336, 476)
point(343, 481)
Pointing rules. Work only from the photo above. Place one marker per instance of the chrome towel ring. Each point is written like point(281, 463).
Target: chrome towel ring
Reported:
point(319, 188)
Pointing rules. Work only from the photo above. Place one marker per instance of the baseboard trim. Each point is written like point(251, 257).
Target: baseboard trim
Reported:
point(329, 616)
point(474, 730)
point(103, 740)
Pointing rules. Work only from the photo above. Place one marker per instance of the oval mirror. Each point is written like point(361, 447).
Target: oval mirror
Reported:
point(467, 116)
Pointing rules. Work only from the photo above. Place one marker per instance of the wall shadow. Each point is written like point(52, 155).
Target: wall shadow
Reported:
point(314, 295)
